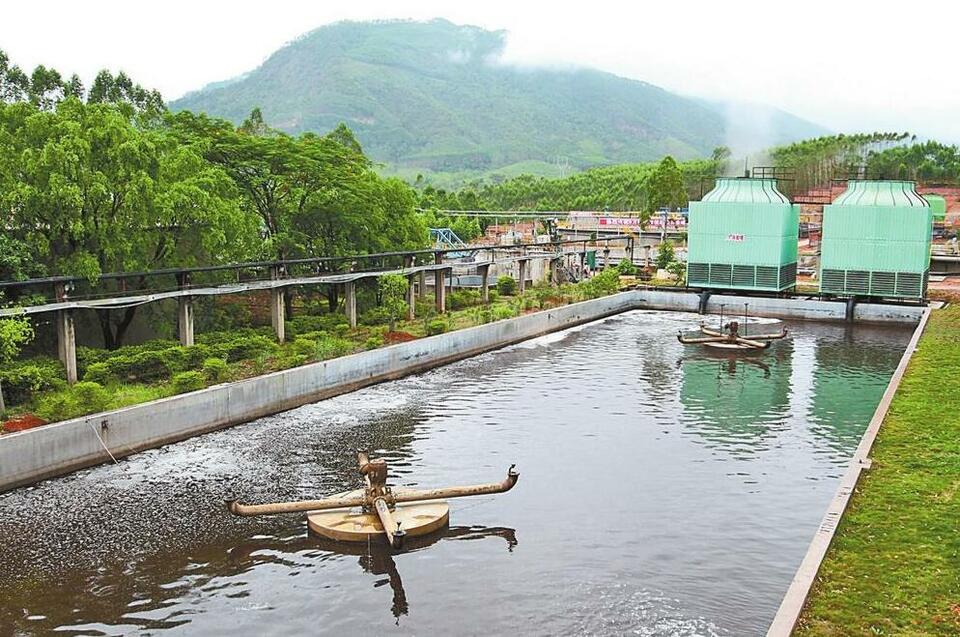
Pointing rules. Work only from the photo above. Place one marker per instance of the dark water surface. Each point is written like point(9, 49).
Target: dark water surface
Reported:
point(662, 492)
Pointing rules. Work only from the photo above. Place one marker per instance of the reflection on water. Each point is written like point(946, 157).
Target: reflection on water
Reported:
point(665, 491)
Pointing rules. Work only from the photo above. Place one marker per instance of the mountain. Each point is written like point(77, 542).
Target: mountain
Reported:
point(434, 96)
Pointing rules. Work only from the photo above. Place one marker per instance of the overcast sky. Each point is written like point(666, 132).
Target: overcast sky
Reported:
point(849, 65)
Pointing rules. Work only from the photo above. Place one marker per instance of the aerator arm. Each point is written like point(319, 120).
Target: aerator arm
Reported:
point(363, 500)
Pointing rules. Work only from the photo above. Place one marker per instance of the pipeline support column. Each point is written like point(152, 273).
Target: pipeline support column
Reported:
point(185, 312)
point(523, 275)
point(67, 343)
point(485, 283)
point(66, 336)
point(277, 317)
point(350, 303)
point(411, 291)
point(439, 289)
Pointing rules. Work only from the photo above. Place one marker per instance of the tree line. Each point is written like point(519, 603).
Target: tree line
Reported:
point(108, 180)
point(880, 155)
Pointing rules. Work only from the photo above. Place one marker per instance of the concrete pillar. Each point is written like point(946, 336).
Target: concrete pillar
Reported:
point(185, 312)
point(555, 270)
point(606, 257)
point(67, 343)
point(485, 283)
point(439, 286)
point(277, 317)
point(411, 299)
point(423, 284)
point(630, 244)
point(350, 303)
point(646, 256)
point(185, 320)
point(522, 283)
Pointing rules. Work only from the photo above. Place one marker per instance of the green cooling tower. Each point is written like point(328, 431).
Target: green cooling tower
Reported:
point(876, 241)
point(743, 236)
point(938, 206)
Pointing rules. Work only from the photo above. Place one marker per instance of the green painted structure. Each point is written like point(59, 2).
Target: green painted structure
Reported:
point(938, 206)
point(743, 236)
point(876, 241)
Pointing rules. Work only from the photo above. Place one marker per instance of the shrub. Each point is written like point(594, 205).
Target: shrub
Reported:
point(245, 347)
point(215, 370)
point(436, 326)
point(679, 270)
point(626, 268)
point(482, 314)
point(501, 312)
point(304, 347)
point(290, 360)
point(506, 286)
point(665, 255)
point(188, 381)
point(342, 329)
point(375, 316)
point(373, 342)
point(460, 299)
point(607, 282)
point(23, 379)
point(332, 347)
point(494, 294)
point(81, 399)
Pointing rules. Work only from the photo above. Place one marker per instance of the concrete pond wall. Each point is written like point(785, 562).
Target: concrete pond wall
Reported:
point(56, 449)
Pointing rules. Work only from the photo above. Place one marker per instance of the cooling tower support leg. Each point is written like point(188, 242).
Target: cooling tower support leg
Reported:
point(851, 308)
point(704, 299)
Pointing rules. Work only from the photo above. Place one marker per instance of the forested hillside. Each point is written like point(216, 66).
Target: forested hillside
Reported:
point(433, 96)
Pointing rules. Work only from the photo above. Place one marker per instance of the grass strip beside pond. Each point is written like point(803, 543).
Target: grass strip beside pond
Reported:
point(894, 566)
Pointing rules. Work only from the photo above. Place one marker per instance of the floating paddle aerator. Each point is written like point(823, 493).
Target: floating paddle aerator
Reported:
point(357, 516)
point(729, 338)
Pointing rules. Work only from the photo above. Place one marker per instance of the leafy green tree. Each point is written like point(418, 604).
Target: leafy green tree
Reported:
point(665, 187)
point(665, 255)
point(15, 332)
point(393, 297)
point(91, 192)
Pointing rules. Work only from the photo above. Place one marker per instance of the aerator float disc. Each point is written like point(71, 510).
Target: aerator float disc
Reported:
point(353, 525)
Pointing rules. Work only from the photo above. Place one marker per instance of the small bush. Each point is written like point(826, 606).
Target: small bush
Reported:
point(215, 370)
point(461, 299)
point(342, 329)
point(506, 286)
point(81, 399)
point(304, 347)
point(493, 294)
point(188, 381)
point(501, 312)
point(332, 347)
point(290, 360)
point(375, 316)
point(373, 342)
point(436, 326)
point(626, 268)
point(22, 380)
point(301, 325)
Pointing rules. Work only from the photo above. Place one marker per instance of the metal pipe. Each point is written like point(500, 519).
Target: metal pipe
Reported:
point(391, 528)
point(273, 508)
point(460, 492)
point(418, 495)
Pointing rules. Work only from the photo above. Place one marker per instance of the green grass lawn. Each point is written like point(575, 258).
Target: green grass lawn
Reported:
point(894, 566)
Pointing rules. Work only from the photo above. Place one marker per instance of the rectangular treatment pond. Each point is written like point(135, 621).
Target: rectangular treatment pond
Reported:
point(663, 491)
